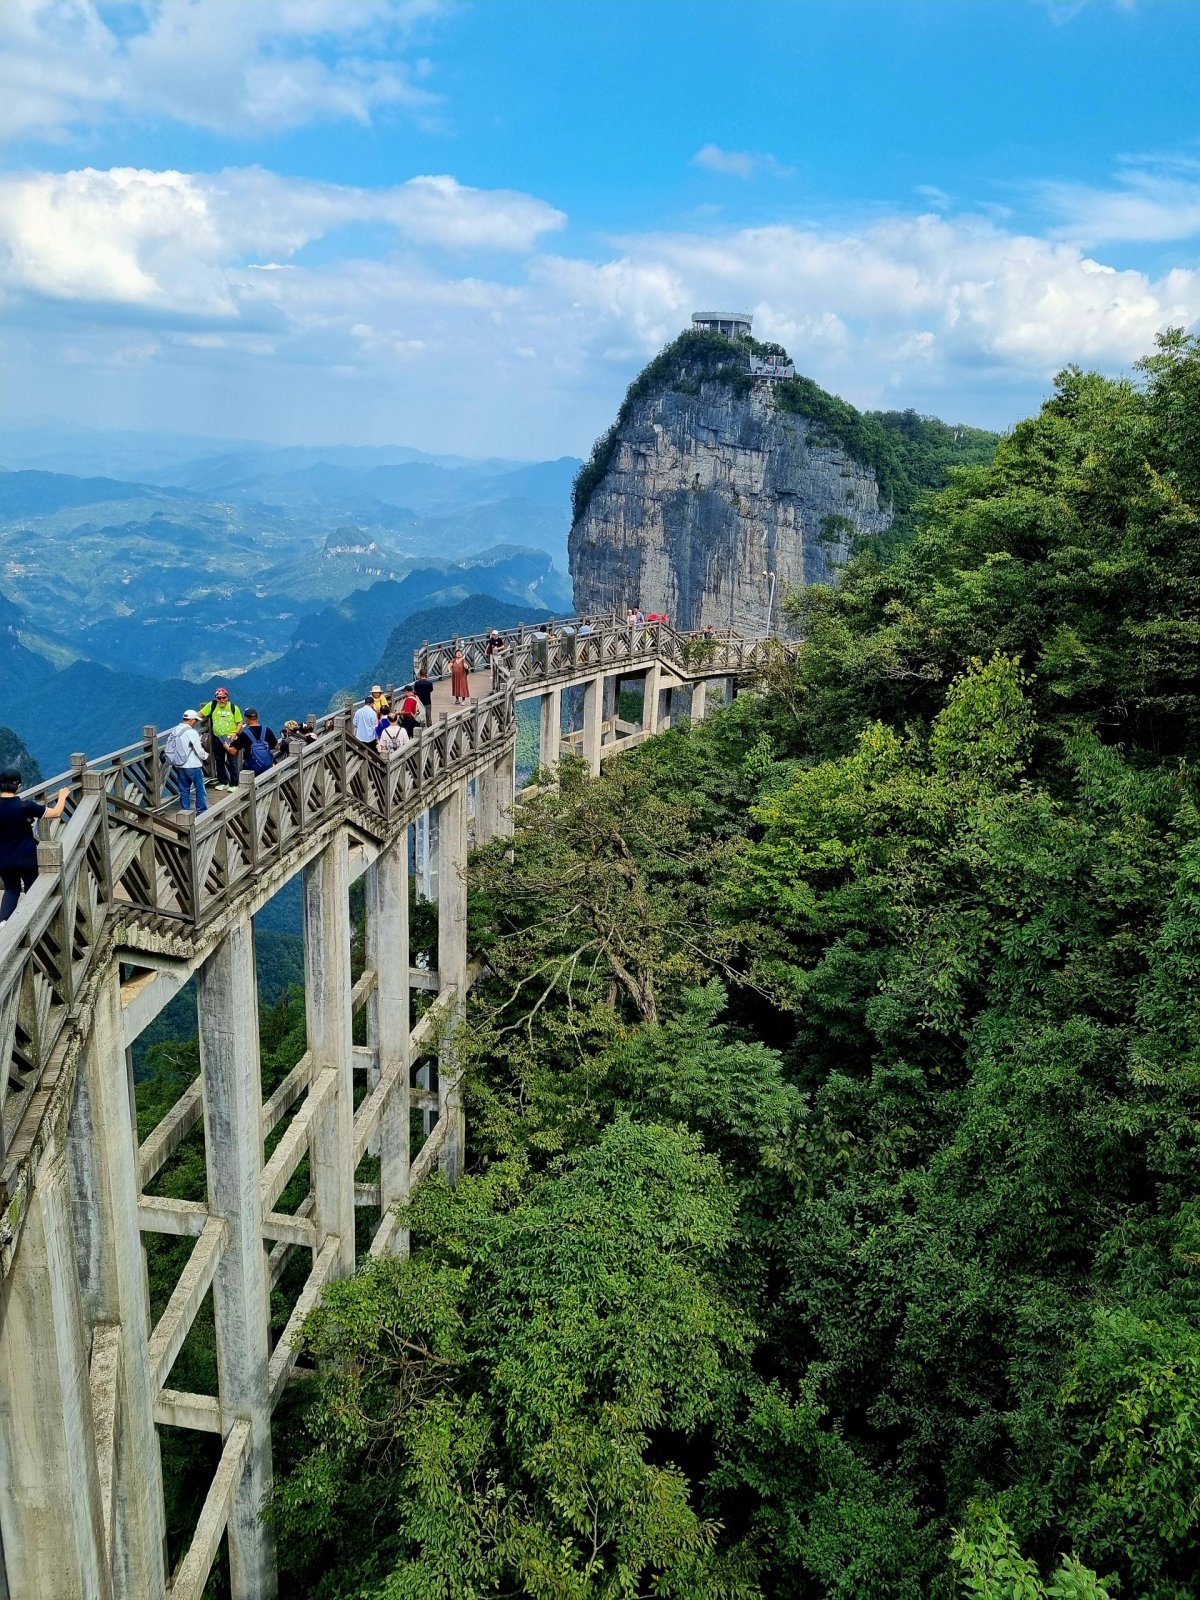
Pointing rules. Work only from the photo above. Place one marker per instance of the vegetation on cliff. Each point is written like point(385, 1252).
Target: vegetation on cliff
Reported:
point(908, 453)
point(831, 1227)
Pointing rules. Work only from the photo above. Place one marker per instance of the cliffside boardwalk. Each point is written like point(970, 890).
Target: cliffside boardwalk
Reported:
point(133, 900)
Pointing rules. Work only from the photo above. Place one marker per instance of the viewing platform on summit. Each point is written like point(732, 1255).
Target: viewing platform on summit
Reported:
point(733, 324)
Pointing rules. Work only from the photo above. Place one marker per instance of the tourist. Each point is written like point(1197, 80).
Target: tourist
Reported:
point(393, 736)
point(365, 719)
point(631, 617)
point(18, 845)
point(185, 752)
point(495, 645)
point(640, 617)
point(585, 627)
point(299, 731)
point(409, 709)
point(460, 682)
point(254, 744)
point(423, 689)
point(221, 719)
point(378, 699)
point(707, 631)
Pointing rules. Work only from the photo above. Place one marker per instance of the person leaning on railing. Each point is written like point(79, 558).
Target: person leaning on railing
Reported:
point(18, 845)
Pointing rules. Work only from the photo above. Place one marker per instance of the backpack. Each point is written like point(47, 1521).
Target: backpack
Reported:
point(419, 714)
point(260, 757)
point(175, 752)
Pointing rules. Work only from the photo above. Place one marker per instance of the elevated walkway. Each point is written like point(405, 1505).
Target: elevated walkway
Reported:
point(133, 900)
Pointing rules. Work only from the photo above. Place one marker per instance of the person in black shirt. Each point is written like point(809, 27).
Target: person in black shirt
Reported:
point(423, 689)
point(254, 744)
point(18, 846)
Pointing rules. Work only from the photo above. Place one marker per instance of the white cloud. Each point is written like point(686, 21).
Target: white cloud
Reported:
point(1149, 204)
point(193, 297)
point(173, 241)
point(739, 163)
point(231, 66)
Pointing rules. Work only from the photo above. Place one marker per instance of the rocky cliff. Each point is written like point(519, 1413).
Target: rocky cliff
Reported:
point(705, 485)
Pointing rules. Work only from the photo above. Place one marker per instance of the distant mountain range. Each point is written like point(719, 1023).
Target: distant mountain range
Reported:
point(284, 572)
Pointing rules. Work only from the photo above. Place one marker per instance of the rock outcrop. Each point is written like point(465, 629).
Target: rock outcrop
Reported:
point(708, 486)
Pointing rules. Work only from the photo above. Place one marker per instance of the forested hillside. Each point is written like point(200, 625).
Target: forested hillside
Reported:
point(831, 1227)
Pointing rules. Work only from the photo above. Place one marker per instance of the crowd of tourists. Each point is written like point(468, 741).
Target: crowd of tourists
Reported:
point(213, 744)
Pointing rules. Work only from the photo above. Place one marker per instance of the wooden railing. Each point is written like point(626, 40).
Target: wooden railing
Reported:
point(121, 857)
point(532, 657)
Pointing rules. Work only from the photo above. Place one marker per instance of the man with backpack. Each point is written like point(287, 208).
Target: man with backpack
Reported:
point(184, 754)
point(254, 744)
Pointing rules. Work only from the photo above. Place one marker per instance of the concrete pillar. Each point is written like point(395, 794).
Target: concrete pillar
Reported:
point(666, 702)
point(102, 1153)
point(452, 969)
point(494, 799)
point(593, 705)
point(650, 691)
point(387, 952)
point(425, 829)
point(330, 1043)
point(699, 699)
point(50, 1505)
point(227, 1010)
point(609, 712)
point(551, 732)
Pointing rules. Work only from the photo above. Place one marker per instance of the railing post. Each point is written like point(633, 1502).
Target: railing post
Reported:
point(248, 798)
point(92, 783)
point(156, 778)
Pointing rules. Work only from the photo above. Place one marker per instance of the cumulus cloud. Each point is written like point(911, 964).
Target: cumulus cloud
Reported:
point(739, 163)
point(231, 66)
point(174, 241)
point(426, 341)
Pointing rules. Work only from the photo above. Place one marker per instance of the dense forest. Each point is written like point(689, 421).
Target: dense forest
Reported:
point(831, 1226)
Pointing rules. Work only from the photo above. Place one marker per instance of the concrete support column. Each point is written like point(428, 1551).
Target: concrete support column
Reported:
point(650, 690)
point(227, 1009)
point(593, 706)
point(387, 952)
point(494, 799)
point(666, 701)
point(51, 1519)
point(425, 830)
point(609, 713)
point(102, 1153)
point(551, 731)
point(452, 969)
point(699, 699)
point(330, 1043)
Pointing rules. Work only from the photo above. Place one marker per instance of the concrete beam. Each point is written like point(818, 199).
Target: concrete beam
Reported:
point(229, 1061)
point(218, 1512)
point(104, 1161)
point(593, 696)
point(327, 988)
point(452, 969)
point(49, 1486)
point(195, 1280)
point(176, 1408)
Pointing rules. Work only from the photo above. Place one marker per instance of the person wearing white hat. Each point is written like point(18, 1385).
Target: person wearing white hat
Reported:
point(185, 753)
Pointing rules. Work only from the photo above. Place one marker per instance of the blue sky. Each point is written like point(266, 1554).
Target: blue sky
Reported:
point(466, 225)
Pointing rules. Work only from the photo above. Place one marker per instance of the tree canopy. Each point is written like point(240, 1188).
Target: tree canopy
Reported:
point(831, 1226)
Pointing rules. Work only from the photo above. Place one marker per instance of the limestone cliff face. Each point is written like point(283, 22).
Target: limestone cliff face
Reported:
point(709, 486)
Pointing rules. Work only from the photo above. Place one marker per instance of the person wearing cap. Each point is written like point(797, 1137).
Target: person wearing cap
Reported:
point(190, 770)
point(224, 720)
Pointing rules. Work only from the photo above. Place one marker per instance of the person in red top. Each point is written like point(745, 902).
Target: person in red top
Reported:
point(408, 710)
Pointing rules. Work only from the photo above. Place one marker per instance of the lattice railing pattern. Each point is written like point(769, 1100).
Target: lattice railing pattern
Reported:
point(121, 853)
point(533, 657)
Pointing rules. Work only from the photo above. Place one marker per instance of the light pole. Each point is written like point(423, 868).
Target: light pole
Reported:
point(770, 598)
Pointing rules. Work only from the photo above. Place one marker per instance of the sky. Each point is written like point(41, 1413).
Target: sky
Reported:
point(465, 225)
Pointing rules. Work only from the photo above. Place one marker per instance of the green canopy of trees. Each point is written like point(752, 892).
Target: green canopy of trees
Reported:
point(832, 1222)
